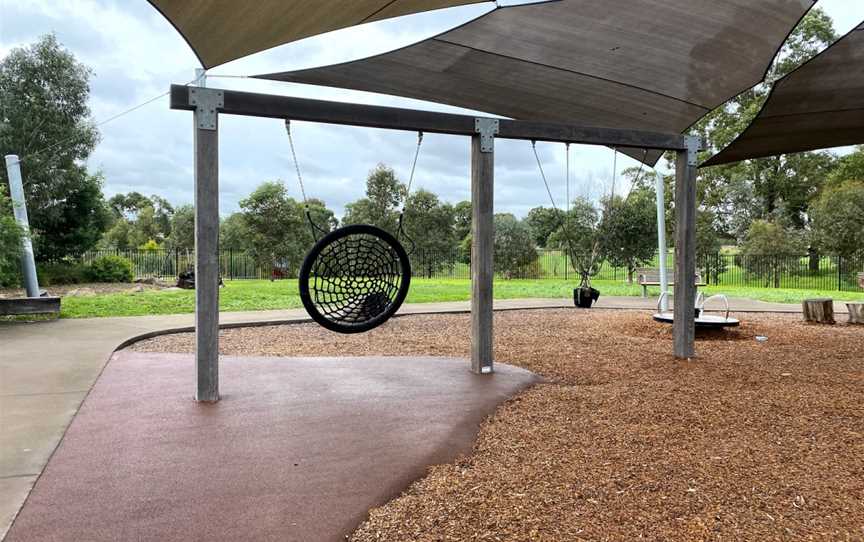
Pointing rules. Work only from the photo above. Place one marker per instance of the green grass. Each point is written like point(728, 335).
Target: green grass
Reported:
point(251, 295)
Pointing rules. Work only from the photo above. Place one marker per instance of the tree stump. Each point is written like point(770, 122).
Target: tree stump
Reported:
point(820, 311)
point(856, 313)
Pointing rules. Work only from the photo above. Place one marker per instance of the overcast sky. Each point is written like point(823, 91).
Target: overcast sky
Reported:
point(136, 54)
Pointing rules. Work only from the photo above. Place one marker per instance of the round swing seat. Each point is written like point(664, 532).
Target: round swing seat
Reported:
point(354, 278)
point(704, 321)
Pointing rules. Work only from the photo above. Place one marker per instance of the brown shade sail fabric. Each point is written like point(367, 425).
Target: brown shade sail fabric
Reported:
point(223, 30)
point(656, 65)
point(818, 106)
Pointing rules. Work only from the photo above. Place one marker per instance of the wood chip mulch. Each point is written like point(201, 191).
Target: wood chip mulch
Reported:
point(751, 441)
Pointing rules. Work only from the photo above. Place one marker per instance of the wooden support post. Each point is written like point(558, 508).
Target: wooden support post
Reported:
point(684, 327)
point(207, 102)
point(482, 245)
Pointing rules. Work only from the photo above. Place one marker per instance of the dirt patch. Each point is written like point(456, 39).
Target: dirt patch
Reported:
point(87, 289)
point(751, 441)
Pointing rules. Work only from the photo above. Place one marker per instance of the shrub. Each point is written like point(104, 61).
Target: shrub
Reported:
point(150, 245)
point(61, 273)
point(110, 269)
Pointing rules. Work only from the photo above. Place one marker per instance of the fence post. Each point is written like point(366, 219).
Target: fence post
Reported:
point(839, 273)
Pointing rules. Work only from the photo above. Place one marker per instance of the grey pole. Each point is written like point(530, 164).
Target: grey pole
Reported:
point(684, 327)
point(207, 103)
point(483, 243)
point(19, 207)
point(661, 241)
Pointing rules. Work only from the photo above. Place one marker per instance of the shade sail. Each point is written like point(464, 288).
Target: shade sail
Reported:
point(656, 65)
point(818, 106)
point(223, 30)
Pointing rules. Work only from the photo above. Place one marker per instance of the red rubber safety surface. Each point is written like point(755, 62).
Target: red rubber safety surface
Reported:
point(298, 448)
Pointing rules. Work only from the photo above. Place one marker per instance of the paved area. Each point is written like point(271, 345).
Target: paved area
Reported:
point(47, 368)
point(299, 449)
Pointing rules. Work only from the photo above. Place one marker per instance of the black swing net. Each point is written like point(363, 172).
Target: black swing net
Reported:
point(355, 277)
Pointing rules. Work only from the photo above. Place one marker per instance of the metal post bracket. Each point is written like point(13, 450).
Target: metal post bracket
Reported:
point(488, 129)
point(207, 102)
point(694, 145)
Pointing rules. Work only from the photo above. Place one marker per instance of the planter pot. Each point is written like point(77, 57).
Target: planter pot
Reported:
point(585, 297)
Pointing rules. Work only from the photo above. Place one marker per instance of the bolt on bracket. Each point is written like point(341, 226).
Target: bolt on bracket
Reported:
point(694, 145)
point(488, 129)
point(207, 102)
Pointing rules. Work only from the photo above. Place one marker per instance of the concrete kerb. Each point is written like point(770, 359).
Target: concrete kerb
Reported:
point(293, 321)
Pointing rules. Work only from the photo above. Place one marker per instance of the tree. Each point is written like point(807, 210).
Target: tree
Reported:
point(323, 218)
point(384, 193)
point(580, 236)
point(278, 232)
point(838, 219)
point(708, 244)
point(848, 168)
point(10, 243)
point(182, 236)
point(628, 230)
point(514, 246)
point(543, 221)
point(234, 234)
point(138, 220)
point(462, 220)
point(45, 119)
point(771, 249)
point(128, 205)
point(429, 224)
point(515, 250)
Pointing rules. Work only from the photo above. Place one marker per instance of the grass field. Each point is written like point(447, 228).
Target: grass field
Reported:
point(250, 295)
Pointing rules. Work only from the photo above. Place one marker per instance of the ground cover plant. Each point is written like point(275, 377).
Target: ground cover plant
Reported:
point(752, 441)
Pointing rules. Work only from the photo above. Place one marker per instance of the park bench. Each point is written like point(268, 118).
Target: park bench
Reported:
point(29, 305)
point(648, 276)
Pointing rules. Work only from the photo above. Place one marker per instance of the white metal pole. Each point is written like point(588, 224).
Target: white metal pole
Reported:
point(19, 207)
point(661, 241)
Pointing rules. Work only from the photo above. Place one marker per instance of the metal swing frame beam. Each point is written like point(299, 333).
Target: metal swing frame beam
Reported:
point(208, 103)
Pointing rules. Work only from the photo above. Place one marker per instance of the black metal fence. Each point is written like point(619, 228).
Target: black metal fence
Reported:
point(804, 272)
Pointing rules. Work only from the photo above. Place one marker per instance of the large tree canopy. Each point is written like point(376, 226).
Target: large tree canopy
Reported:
point(384, 194)
point(628, 230)
point(429, 224)
point(45, 119)
point(838, 218)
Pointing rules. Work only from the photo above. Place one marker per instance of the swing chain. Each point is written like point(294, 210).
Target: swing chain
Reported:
point(400, 231)
point(563, 222)
point(313, 227)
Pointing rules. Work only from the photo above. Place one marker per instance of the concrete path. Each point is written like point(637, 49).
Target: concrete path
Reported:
point(47, 368)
